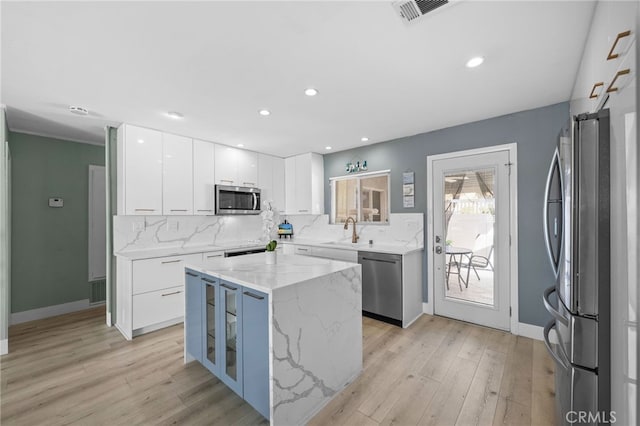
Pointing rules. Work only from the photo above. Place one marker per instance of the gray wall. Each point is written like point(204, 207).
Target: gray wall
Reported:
point(49, 259)
point(535, 132)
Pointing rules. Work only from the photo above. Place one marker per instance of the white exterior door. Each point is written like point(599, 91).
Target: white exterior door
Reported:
point(471, 227)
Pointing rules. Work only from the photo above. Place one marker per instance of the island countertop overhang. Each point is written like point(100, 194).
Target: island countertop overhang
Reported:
point(253, 272)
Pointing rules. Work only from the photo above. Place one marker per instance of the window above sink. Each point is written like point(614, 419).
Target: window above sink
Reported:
point(365, 197)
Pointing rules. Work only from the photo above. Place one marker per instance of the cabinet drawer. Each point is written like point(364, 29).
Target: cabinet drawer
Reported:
point(160, 273)
point(304, 250)
point(212, 255)
point(157, 306)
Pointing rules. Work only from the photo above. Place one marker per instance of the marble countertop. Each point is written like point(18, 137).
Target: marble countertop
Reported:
point(359, 246)
point(234, 245)
point(177, 251)
point(253, 272)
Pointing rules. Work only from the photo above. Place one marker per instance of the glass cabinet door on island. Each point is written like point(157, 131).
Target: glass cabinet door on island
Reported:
point(231, 335)
point(210, 320)
point(227, 331)
point(193, 321)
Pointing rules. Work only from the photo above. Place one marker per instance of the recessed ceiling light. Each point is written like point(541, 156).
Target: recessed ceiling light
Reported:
point(311, 91)
point(474, 62)
point(264, 112)
point(364, 139)
point(78, 110)
point(328, 148)
point(140, 140)
point(240, 145)
point(175, 115)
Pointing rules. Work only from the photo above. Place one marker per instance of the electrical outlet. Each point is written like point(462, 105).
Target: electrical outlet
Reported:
point(172, 225)
point(139, 226)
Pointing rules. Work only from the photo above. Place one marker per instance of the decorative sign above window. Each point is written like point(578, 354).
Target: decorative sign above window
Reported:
point(358, 166)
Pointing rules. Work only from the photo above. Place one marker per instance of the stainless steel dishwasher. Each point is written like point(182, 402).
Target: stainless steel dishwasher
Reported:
point(381, 286)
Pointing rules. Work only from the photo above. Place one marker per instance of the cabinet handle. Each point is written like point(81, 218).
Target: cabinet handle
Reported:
point(178, 210)
point(208, 280)
point(171, 261)
point(214, 255)
point(593, 90)
point(249, 183)
point(302, 249)
point(255, 296)
point(379, 260)
point(226, 180)
point(303, 211)
point(145, 210)
point(191, 274)
point(172, 293)
point(621, 72)
point(621, 35)
point(205, 210)
point(229, 287)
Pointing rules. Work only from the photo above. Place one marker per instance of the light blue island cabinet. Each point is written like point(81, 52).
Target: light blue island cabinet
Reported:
point(227, 331)
point(287, 338)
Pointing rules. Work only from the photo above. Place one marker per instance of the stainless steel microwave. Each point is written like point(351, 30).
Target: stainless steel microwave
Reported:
point(237, 200)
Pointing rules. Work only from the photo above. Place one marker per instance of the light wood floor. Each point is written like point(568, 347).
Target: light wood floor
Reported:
point(73, 369)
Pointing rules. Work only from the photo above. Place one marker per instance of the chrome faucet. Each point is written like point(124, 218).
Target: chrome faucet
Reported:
point(354, 236)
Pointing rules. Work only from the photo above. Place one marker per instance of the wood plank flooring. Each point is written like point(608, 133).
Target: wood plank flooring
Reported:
point(73, 369)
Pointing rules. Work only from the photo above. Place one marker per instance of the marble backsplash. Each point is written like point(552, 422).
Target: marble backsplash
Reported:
point(404, 229)
point(151, 232)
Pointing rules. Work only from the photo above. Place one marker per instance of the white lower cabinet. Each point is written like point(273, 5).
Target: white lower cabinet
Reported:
point(212, 255)
point(150, 293)
point(324, 252)
point(157, 307)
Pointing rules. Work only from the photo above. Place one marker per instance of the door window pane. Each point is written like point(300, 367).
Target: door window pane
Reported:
point(469, 223)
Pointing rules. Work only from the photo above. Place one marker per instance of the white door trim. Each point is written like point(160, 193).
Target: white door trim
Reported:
point(513, 224)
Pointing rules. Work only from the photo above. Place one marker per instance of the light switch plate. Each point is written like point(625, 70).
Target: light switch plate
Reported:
point(56, 202)
point(172, 225)
point(139, 226)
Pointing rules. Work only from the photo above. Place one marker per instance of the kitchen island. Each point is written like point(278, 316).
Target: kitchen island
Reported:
point(285, 337)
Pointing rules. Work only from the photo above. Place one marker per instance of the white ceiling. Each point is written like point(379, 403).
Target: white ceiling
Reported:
point(218, 63)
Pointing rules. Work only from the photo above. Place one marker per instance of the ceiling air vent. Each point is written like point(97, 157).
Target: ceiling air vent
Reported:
point(410, 10)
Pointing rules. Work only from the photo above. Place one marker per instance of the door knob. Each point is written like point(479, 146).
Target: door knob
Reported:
point(438, 249)
point(437, 239)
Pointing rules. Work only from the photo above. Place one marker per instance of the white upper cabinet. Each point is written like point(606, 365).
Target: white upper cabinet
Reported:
point(204, 177)
point(226, 165)
point(247, 164)
point(271, 180)
point(235, 166)
point(164, 174)
point(304, 187)
point(139, 171)
point(177, 175)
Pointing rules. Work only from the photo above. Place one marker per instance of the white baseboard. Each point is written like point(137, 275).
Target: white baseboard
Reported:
point(427, 308)
point(49, 311)
point(530, 331)
point(4, 346)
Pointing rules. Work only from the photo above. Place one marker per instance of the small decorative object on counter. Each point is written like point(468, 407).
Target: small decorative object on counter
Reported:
point(285, 229)
point(271, 254)
point(269, 216)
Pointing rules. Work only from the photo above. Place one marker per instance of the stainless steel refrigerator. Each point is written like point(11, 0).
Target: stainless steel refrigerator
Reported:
point(576, 222)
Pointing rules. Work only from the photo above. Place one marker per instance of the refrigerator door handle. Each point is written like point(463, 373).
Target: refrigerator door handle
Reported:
point(552, 310)
point(554, 354)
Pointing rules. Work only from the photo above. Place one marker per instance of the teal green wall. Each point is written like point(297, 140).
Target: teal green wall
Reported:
point(49, 245)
